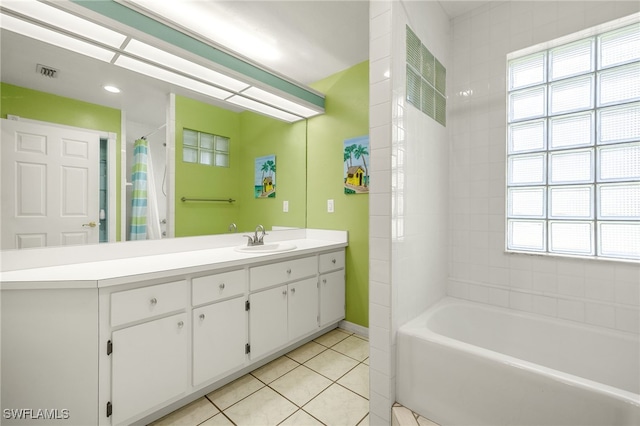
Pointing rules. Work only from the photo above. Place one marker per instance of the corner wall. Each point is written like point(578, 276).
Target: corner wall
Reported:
point(409, 199)
point(598, 292)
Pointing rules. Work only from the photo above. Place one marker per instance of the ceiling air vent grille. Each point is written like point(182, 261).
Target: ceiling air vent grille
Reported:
point(47, 71)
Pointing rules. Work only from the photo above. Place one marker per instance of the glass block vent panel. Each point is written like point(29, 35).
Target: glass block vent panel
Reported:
point(190, 155)
point(527, 235)
point(207, 141)
point(620, 162)
point(619, 201)
point(526, 202)
point(571, 202)
point(619, 239)
point(527, 170)
point(204, 148)
point(571, 167)
point(572, 59)
point(527, 104)
point(441, 78)
point(620, 84)
point(620, 46)
point(426, 80)
point(620, 124)
point(528, 136)
point(527, 71)
point(413, 49)
point(428, 66)
point(569, 131)
point(575, 94)
point(571, 237)
point(190, 137)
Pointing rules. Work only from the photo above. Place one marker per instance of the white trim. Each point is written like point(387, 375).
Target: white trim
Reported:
point(123, 176)
point(354, 328)
point(171, 165)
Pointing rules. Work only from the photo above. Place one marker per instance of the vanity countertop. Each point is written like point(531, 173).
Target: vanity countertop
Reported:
point(110, 272)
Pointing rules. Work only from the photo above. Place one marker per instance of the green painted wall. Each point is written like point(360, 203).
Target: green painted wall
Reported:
point(42, 106)
point(346, 116)
point(262, 136)
point(202, 181)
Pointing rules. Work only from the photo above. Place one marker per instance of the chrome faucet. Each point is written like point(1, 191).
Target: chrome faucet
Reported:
point(256, 240)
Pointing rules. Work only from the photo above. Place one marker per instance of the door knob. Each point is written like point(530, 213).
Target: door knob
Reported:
point(90, 224)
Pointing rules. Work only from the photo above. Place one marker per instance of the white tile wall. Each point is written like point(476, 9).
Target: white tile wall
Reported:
point(603, 293)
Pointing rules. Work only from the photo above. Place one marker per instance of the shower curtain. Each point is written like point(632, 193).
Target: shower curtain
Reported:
point(145, 223)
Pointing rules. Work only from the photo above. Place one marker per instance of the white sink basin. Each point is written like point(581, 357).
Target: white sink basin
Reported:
point(266, 248)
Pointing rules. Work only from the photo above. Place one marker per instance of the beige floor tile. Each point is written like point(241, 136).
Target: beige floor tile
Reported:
point(192, 414)
point(217, 420)
point(402, 416)
point(365, 421)
point(331, 364)
point(353, 347)
point(300, 385)
point(366, 361)
point(357, 380)
point(337, 406)
point(331, 338)
point(305, 352)
point(275, 369)
point(426, 422)
point(235, 391)
point(301, 418)
point(263, 408)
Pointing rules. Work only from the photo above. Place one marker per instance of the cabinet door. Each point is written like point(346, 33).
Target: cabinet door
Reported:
point(219, 338)
point(331, 297)
point(149, 365)
point(303, 307)
point(268, 320)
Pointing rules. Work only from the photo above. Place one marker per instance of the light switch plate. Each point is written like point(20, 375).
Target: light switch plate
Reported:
point(330, 206)
point(285, 206)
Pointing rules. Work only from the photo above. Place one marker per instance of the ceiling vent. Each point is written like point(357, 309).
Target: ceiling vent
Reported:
point(47, 71)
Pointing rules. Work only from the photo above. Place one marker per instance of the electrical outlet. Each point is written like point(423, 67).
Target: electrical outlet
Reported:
point(329, 206)
point(285, 206)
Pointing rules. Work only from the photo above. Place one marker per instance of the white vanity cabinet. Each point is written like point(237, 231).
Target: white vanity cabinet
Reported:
point(220, 327)
point(149, 347)
point(332, 287)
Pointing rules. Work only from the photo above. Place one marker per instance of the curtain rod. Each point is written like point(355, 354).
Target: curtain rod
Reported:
point(156, 130)
point(228, 200)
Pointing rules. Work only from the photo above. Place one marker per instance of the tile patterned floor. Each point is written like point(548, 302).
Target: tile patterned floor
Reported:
point(324, 382)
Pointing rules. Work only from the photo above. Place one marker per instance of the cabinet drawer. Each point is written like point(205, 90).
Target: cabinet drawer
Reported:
point(281, 272)
point(218, 286)
point(331, 261)
point(146, 302)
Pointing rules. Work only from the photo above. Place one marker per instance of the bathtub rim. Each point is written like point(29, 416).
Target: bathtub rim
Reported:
point(418, 328)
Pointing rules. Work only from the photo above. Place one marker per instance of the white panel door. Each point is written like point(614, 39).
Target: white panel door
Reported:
point(303, 307)
point(267, 321)
point(149, 366)
point(50, 185)
point(219, 338)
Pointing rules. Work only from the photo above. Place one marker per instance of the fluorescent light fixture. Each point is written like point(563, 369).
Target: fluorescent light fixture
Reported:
point(170, 60)
point(280, 102)
point(111, 89)
point(171, 77)
point(213, 23)
point(262, 108)
point(52, 37)
point(65, 21)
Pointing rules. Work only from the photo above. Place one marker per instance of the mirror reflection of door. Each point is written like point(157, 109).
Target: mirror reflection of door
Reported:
point(50, 185)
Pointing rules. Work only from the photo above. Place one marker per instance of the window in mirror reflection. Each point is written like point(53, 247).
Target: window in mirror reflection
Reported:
point(205, 148)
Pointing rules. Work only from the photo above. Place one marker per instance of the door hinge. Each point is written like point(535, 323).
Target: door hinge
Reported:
point(109, 347)
point(109, 409)
point(247, 305)
point(247, 348)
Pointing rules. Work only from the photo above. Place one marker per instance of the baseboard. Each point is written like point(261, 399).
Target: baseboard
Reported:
point(354, 328)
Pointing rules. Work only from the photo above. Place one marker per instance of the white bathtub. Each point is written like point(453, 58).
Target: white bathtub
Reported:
point(464, 363)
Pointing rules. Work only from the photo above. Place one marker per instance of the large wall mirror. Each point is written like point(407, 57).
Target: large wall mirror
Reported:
point(42, 84)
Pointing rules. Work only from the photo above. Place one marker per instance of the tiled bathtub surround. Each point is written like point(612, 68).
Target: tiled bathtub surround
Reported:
point(603, 293)
point(437, 195)
point(324, 382)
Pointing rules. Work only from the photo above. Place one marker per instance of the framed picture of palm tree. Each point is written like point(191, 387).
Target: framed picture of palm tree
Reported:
point(356, 160)
point(265, 177)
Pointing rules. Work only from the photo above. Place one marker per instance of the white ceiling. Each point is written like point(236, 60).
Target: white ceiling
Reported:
point(318, 38)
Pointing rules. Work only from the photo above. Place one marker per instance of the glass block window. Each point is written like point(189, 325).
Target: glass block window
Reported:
point(426, 80)
point(205, 148)
point(573, 148)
